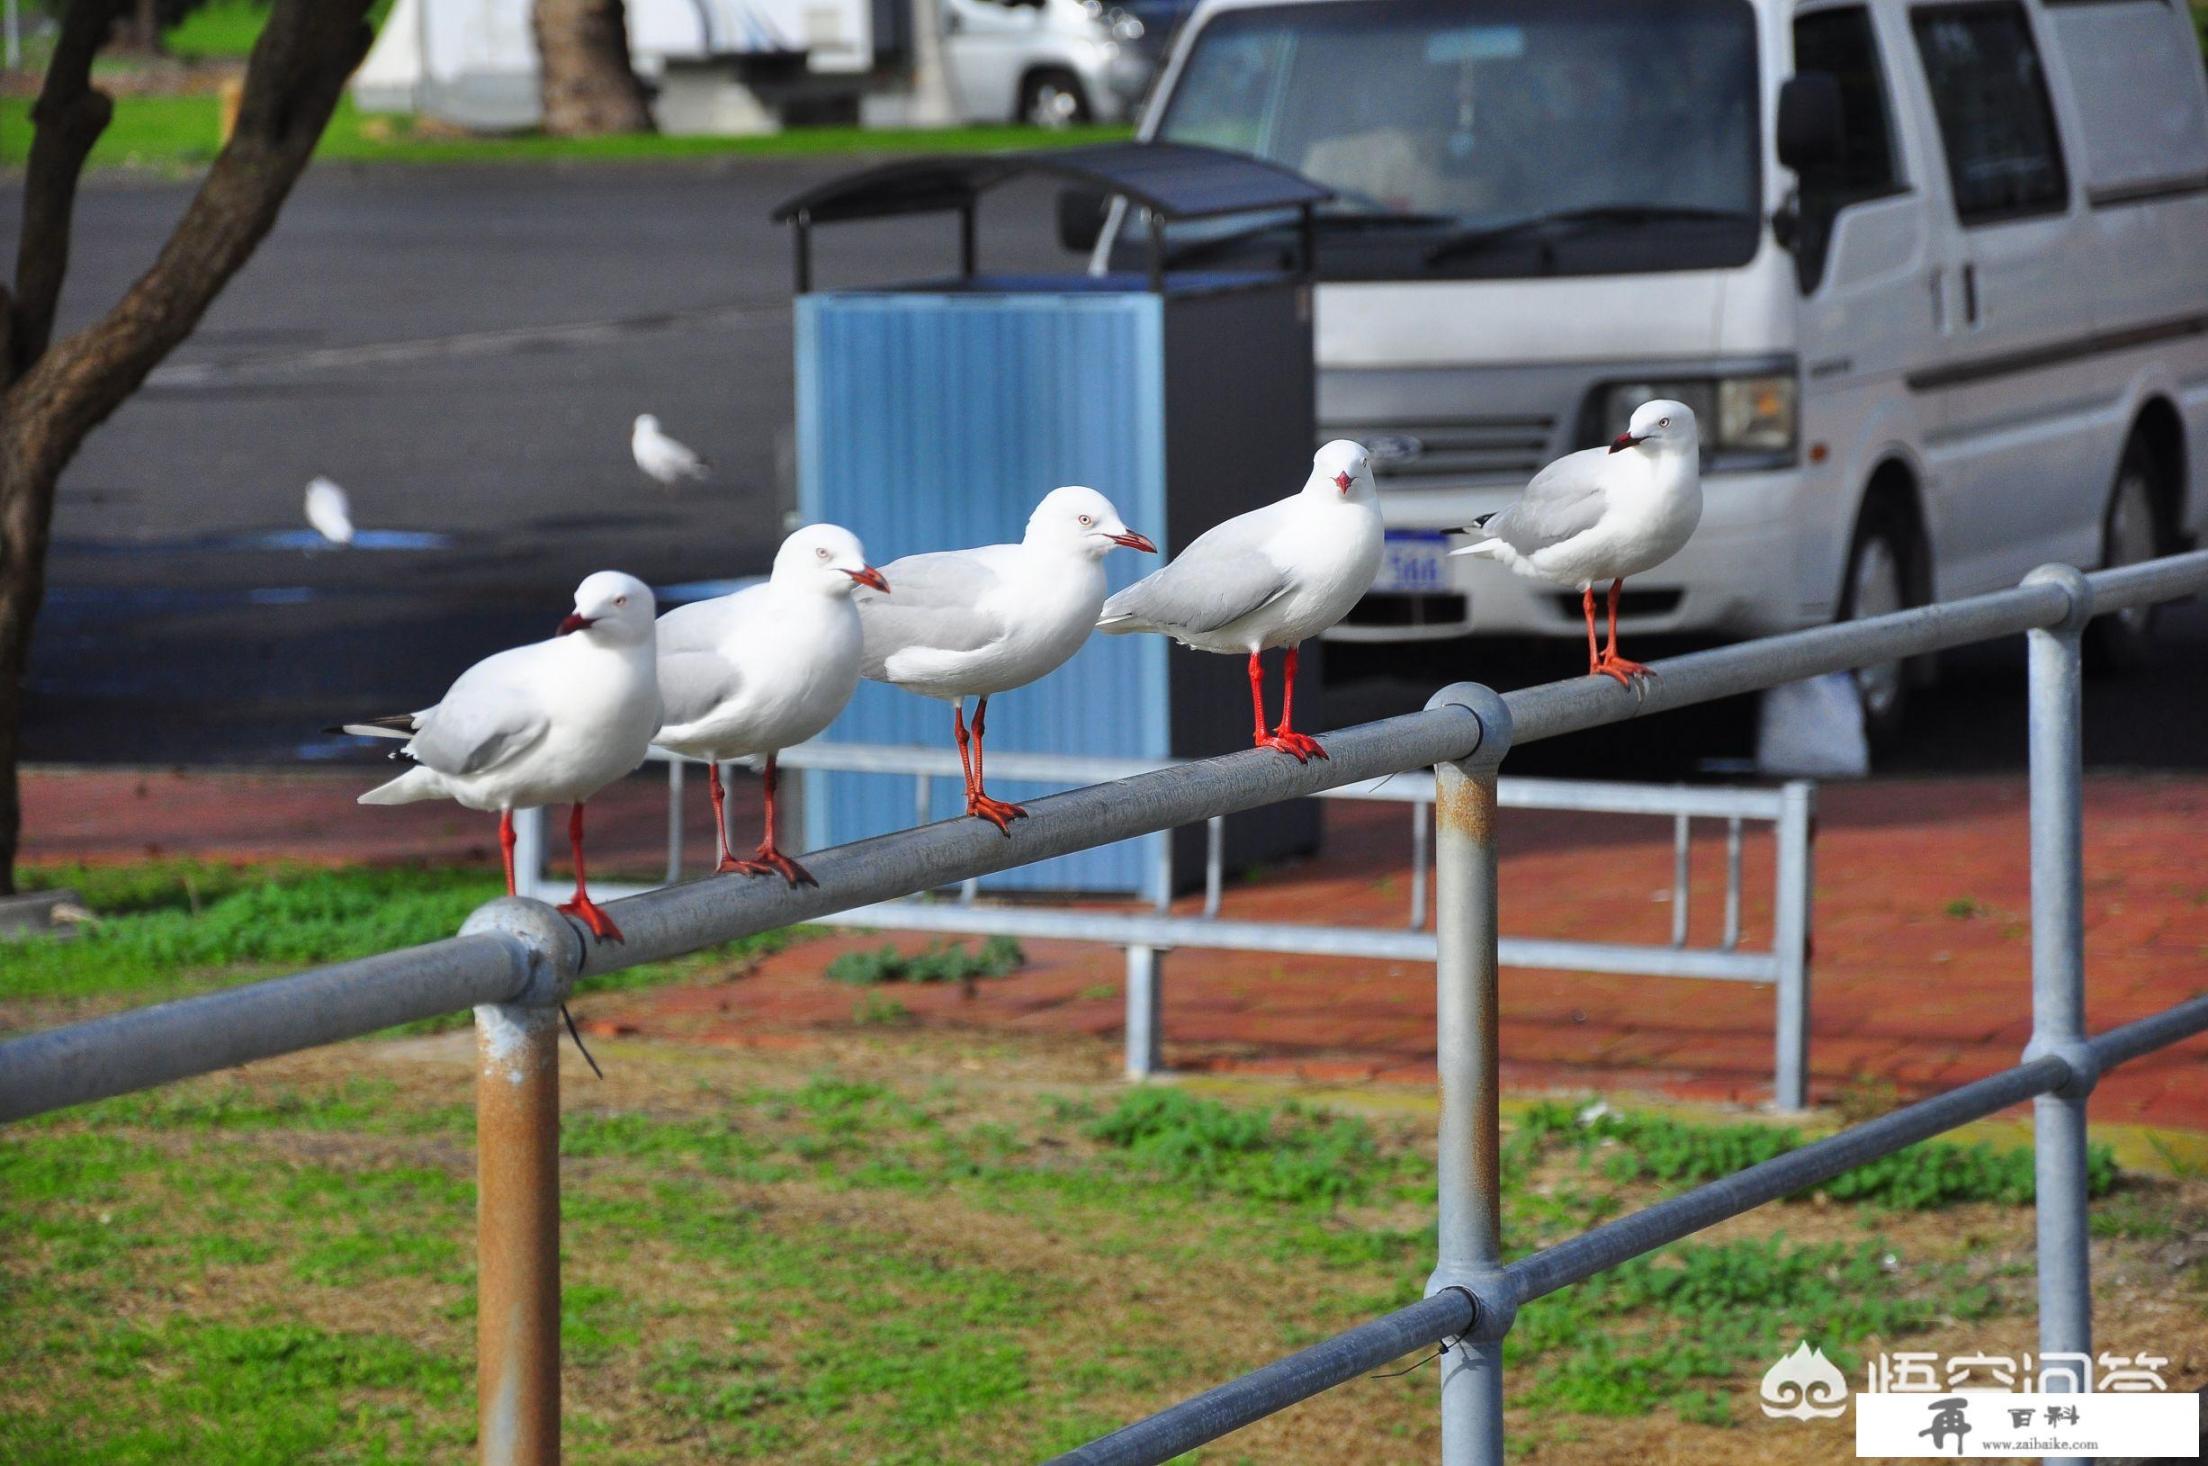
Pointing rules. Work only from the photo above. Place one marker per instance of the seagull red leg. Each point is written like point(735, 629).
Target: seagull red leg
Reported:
point(1257, 702)
point(1610, 664)
point(506, 846)
point(1587, 605)
point(978, 802)
point(1285, 737)
point(582, 907)
point(769, 857)
point(965, 752)
point(728, 862)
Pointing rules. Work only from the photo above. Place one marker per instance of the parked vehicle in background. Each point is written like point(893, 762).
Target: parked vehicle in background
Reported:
point(1934, 278)
point(1046, 62)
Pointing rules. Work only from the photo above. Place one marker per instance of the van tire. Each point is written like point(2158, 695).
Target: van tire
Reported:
point(1052, 98)
point(2131, 531)
point(1882, 565)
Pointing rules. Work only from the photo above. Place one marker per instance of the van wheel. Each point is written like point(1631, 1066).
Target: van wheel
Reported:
point(1879, 566)
point(2124, 640)
point(1053, 99)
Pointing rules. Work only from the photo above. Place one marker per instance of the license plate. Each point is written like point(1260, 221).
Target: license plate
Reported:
point(1413, 562)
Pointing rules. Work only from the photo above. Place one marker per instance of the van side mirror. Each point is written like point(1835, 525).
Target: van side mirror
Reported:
point(1809, 121)
point(1081, 217)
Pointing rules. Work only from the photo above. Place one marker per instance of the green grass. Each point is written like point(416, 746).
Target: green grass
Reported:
point(824, 1270)
point(178, 133)
point(941, 962)
point(169, 929)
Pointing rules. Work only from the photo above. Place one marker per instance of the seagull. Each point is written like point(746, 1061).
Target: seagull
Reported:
point(661, 457)
point(1604, 514)
point(1271, 577)
point(329, 511)
point(971, 623)
point(548, 723)
point(767, 667)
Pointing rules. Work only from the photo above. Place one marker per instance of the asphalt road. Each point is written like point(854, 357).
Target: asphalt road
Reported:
point(463, 349)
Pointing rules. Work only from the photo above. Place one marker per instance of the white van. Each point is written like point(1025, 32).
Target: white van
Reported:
point(1051, 63)
point(1934, 277)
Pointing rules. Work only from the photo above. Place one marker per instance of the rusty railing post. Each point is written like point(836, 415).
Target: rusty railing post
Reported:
point(517, 1206)
point(1469, 1185)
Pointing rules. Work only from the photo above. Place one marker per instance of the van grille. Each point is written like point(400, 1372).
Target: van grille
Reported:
point(1465, 449)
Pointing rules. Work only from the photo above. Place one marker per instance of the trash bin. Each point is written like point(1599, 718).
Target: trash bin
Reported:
point(934, 414)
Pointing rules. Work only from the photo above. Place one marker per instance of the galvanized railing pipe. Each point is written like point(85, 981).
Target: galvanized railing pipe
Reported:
point(1790, 944)
point(1467, 1022)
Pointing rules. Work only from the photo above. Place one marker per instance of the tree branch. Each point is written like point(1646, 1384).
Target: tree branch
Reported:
point(67, 119)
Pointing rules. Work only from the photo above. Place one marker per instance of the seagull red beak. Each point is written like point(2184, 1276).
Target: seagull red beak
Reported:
point(1622, 442)
point(575, 621)
point(868, 575)
point(1342, 481)
point(1135, 541)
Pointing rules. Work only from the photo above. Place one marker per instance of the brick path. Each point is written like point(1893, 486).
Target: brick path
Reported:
point(1921, 975)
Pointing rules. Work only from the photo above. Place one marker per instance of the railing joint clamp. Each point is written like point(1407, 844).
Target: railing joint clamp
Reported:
point(547, 950)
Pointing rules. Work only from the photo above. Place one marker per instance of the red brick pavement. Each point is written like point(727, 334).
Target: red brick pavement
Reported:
point(1921, 974)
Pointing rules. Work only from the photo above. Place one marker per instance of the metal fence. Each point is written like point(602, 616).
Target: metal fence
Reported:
point(516, 959)
point(1789, 809)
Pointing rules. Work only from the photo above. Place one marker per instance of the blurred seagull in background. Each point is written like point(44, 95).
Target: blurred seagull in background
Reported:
point(1604, 514)
point(770, 666)
point(663, 459)
point(548, 723)
point(329, 511)
point(1271, 577)
point(971, 623)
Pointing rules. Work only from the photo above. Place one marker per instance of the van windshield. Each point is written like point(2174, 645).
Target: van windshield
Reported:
point(1496, 137)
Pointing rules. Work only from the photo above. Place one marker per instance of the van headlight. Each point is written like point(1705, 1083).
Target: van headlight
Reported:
point(1735, 414)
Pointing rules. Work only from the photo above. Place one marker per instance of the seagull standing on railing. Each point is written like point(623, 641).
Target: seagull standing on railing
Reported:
point(1604, 514)
point(548, 723)
point(972, 623)
point(770, 666)
point(1271, 577)
point(663, 460)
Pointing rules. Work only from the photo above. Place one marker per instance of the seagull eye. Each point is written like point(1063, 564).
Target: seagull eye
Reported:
point(822, 552)
point(1663, 422)
point(620, 600)
point(1087, 520)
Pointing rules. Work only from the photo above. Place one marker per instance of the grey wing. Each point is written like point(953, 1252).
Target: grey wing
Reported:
point(692, 684)
point(1564, 499)
point(1220, 578)
point(934, 601)
point(486, 718)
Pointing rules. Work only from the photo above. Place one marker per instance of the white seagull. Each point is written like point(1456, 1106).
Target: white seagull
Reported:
point(663, 459)
point(1604, 514)
point(329, 511)
point(770, 666)
point(548, 723)
point(970, 623)
point(1271, 577)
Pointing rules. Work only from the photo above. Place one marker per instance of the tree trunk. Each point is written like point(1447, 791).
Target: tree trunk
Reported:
point(56, 395)
point(587, 85)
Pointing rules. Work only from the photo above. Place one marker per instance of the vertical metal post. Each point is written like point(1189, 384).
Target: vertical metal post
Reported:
point(2058, 981)
point(528, 851)
point(923, 800)
point(1682, 834)
point(1732, 884)
point(674, 820)
point(1422, 857)
point(1161, 871)
point(1145, 1013)
point(1790, 944)
point(1215, 863)
point(1469, 1182)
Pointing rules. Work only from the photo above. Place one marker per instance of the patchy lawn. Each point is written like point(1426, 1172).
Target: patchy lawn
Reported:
point(901, 1247)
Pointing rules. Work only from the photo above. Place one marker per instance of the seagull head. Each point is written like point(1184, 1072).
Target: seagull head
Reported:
point(826, 558)
point(1660, 426)
point(1084, 521)
point(645, 424)
point(1341, 470)
point(613, 608)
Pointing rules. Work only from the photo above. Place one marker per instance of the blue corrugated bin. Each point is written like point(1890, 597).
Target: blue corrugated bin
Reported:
point(935, 414)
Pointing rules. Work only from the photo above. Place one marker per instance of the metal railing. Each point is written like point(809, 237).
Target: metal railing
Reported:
point(517, 959)
point(1784, 966)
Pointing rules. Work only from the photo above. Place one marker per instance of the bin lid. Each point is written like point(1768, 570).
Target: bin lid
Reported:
point(1173, 180)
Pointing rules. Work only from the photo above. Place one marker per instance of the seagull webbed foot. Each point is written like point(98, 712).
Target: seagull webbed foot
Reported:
point(1301, 746)
point(592, 915)
point(996, 811)
point(769, 861)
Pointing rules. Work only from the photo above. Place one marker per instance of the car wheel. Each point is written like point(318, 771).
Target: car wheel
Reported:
point(2124, 640)
point(1053, 99)
point(1878, 582)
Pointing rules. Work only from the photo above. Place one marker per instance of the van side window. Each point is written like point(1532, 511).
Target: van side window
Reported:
point(1839, 43)
point(1996, 125)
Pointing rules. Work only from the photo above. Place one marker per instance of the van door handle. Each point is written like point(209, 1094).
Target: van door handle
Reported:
point(1939, 300)
point(1970, 295)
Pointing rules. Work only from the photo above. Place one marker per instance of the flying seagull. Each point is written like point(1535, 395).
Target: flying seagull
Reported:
point(664, 460)
point(329, 511)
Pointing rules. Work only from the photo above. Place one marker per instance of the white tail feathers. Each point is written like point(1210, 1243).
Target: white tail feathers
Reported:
point(411, 787)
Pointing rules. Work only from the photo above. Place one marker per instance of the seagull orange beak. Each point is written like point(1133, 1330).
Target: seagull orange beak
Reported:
point(1622, 442)
point(1135, 541)
point(575, 621)
point(868, 575)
